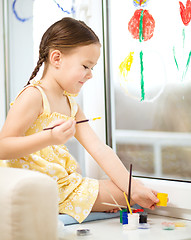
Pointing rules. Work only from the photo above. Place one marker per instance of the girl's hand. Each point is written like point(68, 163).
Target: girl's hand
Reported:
point(143, 196)
point(64, 130)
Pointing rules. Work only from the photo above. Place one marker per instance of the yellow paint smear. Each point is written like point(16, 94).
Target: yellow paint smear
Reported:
point(125, 66)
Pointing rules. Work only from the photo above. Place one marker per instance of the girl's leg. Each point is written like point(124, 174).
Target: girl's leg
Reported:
point(106, 186)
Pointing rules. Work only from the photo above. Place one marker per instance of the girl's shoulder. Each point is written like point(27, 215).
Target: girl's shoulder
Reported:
point(29, 97)
point(30, 93)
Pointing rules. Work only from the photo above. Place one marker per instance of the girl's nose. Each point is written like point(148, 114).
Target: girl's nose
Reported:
point(89, 75)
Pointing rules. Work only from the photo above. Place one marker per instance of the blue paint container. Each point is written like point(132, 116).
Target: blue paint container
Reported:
point(124, 218)
point(121, 215)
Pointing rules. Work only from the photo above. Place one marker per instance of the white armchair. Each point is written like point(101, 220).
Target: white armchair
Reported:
point(28, 205)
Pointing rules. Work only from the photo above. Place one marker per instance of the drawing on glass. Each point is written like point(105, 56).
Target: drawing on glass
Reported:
point(24, 19)
point(183, 55)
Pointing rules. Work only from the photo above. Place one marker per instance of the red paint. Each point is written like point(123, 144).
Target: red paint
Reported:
point(185, 12)
point(138, 210)
point(148, 25)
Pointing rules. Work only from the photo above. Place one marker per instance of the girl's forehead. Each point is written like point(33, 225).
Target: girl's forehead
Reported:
point(90, 52)
point(88, 48)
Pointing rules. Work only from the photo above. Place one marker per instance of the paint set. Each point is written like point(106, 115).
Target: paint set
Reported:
point(132, 219)
point(138, 219)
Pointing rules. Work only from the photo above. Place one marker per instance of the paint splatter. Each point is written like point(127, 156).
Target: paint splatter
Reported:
point(138, 3)
point(65, 11)
point(175, 58)
point(16, 14)
point(142, 77)
point(185, 12)
point(125, 66)
point(183, 36)
point(21, 19)
point(187, 65)
point(141, 38)
point(148, 25)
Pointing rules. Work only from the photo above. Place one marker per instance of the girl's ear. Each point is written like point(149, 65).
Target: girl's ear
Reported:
point(55, 58)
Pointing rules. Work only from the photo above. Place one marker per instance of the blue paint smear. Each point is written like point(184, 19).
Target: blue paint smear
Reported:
point(65, 11)
point(26, 19)
point(16, 15)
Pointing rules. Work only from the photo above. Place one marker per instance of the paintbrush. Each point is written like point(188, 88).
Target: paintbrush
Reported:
point(127, 203)
point(113, 205)
point(81, 121)
point(113, 198)
point(129, 189)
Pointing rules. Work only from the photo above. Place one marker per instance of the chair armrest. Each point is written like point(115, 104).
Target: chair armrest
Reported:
point(28, 205)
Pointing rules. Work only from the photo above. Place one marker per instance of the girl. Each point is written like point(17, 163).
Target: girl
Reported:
point(69, 50)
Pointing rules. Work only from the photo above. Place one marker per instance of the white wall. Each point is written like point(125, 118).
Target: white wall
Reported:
point(93, 92)
point(2, 71)
point(21, 46)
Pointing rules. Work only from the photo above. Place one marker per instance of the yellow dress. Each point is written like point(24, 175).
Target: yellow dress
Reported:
point(76, 194)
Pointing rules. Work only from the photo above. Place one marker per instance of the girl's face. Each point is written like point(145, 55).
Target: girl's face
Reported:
point(76, 67)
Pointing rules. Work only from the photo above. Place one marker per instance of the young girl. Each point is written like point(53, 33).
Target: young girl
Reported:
point(69, 50)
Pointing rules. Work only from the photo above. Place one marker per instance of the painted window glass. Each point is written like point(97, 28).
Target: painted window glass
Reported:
point(28, 20)
point(151, 79)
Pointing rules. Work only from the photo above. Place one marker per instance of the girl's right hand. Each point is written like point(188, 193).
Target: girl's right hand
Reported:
point(63, 131)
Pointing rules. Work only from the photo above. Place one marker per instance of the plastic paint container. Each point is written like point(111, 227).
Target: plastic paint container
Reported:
point(143, 217)
point(133, 221)
point(124, 218)
point(121, 215)
point(163, 198)
point(83, 232)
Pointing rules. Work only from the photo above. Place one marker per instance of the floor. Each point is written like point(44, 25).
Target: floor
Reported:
point(112, 229)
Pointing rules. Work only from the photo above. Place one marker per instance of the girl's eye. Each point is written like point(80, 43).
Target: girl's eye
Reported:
point(85, 66)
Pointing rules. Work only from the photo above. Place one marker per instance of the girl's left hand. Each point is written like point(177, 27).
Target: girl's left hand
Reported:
point(143, 196)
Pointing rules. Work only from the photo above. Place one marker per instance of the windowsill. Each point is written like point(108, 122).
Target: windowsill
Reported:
point(179, 194)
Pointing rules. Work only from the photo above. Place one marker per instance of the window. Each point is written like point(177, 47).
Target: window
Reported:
point(150, 87)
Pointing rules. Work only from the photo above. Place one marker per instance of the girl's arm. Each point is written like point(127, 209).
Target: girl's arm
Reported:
point(26, 109)
point(111, 164)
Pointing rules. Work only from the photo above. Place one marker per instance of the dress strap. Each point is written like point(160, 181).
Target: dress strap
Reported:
point(46, 105)
point(73, 105)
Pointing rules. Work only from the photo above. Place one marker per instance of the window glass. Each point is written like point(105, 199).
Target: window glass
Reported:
point(28, 20)
point(151, 86)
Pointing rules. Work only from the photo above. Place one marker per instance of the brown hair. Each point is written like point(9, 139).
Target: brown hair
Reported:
point(65, 34)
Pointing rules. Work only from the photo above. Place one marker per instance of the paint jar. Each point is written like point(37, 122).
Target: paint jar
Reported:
point(163, 198)
point(124, 218)
point(121, 215)
point(133, 221)
point(143, 217)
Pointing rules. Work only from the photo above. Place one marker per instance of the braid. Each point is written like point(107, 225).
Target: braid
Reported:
point(39, 64)
point(43, 55)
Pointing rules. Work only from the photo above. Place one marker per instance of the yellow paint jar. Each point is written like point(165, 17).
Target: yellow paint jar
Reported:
point(163, 199)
